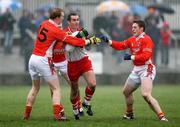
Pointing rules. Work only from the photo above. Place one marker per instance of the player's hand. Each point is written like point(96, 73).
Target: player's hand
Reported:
point(83, 33)
point(95, 40)
point(104, 38)
point(127, 57)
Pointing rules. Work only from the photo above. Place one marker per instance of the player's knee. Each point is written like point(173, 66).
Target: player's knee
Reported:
point(92, 83)
point(35, 89)
point(146, 96)
point(125, 93)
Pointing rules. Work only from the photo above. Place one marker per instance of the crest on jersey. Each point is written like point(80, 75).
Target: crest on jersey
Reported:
point(136, 47)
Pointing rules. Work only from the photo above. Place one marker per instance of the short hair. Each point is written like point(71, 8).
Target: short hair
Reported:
point(141, 24)
point(71, 14)
point(55, 12)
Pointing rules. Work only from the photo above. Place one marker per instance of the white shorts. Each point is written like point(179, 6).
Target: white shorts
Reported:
point(39, 66)
point(61, 67)
point(140, 72)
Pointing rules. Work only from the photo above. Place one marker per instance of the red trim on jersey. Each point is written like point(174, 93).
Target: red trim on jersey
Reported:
point(149, 70)
point(51, 65)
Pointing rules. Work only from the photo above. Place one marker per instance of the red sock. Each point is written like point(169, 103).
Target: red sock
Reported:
point(57, 108)
point(27, 112)
point(160, 115)
point(79, 103)
point(89, 93)
point(75, 102)
point(129, 110)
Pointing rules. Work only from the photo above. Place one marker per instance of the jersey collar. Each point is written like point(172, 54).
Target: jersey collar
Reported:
point(51, 21)
point(69, 29)
point(140, 36)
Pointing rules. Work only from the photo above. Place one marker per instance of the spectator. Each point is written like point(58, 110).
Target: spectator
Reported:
point(166, 36)
point(118, 34)
point(127, 24)
point(23, 23)
point(67, 10)
point(153, 20)
point(7, 22)
point(40, 17)
point(100, 22)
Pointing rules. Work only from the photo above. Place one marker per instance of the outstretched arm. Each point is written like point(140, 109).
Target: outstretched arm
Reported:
point(115, 44)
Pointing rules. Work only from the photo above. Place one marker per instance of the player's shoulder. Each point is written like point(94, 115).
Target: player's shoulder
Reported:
point(147, 37)
point(48, 24)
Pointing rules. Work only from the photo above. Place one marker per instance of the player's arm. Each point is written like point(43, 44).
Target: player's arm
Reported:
point(120, 45)
point(116, 44)
point(63, 36)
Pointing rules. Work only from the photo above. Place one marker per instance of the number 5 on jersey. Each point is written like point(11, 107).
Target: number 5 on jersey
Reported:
point(43, 36)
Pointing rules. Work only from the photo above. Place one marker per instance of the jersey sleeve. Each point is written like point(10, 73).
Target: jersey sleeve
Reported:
point(147, 51)
point(74, 41)
point(63, 36)
point(120, 45)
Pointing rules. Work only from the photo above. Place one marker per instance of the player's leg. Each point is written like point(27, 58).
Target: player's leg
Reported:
point(90, 78)
point(74, 74)
point(75, 98)
point(58, 109)
point(129, 87)
point(147, 78)
point(31, 98)
point(65, 76)
point(61, 69)
point(51, 77)
point(35, 87)
point(81, 112)
point(146, 89)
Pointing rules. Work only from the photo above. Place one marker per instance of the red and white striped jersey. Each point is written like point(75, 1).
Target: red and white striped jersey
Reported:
point(141, 47)
point(78, 52)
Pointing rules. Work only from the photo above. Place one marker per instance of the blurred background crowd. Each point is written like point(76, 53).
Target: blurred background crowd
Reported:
point(20, 19)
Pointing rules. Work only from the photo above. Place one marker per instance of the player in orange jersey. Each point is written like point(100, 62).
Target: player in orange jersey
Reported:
point(143, 73)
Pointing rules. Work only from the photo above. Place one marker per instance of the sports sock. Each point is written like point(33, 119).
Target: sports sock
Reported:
point(160, 115)
point(129, 110)
point(79, 103)
point(57, 108)
point(75, 103)
point(27, 111)
point(88, 94)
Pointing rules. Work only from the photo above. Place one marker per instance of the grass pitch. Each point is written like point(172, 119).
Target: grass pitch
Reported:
point(108, 107)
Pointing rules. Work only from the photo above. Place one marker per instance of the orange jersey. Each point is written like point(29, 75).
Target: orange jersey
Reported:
point(141, 47)
point(47, 34)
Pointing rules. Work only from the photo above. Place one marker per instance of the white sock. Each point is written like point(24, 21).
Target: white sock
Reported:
point(81, 109)
point(87, 102)
point(76, 111)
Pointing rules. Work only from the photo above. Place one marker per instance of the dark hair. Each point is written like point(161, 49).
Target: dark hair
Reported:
point(55, 12)
point(141, 24)
point(71, 14)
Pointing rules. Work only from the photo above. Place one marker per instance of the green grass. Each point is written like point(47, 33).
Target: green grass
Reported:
point(108, 106)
